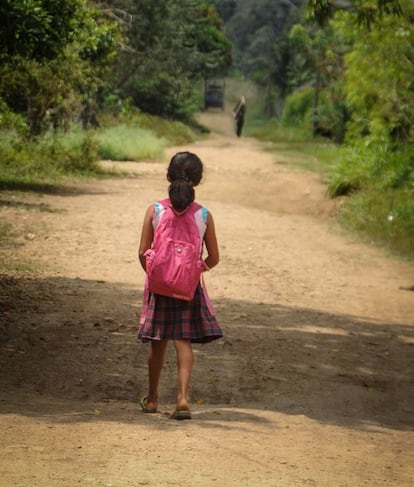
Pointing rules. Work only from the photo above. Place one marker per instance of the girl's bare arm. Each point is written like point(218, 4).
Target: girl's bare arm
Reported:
point(210, 241)
point(147, 235)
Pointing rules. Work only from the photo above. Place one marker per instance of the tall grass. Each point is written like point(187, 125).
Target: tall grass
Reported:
point(136, 136)
point(58, 155)
point(159, 130)
point(129, 143)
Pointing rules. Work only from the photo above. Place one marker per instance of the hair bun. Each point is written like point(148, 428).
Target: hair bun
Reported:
point(184, 167)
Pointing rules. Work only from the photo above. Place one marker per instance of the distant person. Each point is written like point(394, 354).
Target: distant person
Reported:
point(167, 318)
point(239, 113)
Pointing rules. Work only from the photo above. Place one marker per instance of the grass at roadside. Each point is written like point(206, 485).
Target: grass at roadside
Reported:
point(304, 152)
point(382, 217)
point(377, 213)
point(45, 161)
point(124, 143)
point(53, 158)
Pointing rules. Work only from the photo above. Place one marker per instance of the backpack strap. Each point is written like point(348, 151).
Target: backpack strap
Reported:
point(204, 213)
point(159, 209)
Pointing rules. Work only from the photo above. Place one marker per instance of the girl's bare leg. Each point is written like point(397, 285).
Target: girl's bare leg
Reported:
point(184, 352)
point(156, 355)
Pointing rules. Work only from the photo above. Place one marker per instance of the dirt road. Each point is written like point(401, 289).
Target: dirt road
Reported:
point(312, 384)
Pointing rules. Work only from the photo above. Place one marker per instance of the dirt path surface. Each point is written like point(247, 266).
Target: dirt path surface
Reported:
point(312, 384)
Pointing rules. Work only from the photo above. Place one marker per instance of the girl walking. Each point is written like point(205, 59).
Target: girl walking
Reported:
point(165, 318)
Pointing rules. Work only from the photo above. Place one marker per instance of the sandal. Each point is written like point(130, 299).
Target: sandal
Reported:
point(145, 409)
point(181, 414)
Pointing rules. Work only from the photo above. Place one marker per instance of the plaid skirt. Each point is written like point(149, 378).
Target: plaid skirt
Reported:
point(171, 319)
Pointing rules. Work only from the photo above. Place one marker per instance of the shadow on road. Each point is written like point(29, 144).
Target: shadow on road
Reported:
point(65, 343)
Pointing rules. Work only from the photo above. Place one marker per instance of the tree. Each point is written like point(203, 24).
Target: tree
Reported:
point(36, 29)
point(379, 76)
point(259, 32)
point(54, 58)
point(365, 12)
point(317, 61)
point(171, 46)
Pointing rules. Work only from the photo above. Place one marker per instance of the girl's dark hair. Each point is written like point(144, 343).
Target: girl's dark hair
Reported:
point(184, 173)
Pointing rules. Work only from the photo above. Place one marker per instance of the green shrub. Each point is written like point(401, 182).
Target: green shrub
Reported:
point(12, 121)
point(371, 164)
point(330, 115)
point(297, 110)
point(165, 95)
point(380, 182)
point(47, 158)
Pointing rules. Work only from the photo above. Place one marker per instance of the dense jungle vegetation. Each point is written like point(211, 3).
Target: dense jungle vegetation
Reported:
point(82, 80)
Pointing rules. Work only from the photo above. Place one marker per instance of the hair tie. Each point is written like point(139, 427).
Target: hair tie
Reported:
point(184, 178)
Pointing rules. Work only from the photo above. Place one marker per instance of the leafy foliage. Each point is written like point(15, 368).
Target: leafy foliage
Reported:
point(363, 167)
point(379, 80)
point(298, 108)
point(171, 46)
point(379, 89)
point(259, 31)
point(54, 59)
point(365, 12)
point(37, 29)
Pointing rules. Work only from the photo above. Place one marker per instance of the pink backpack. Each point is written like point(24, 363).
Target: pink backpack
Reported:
point(174, 264)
